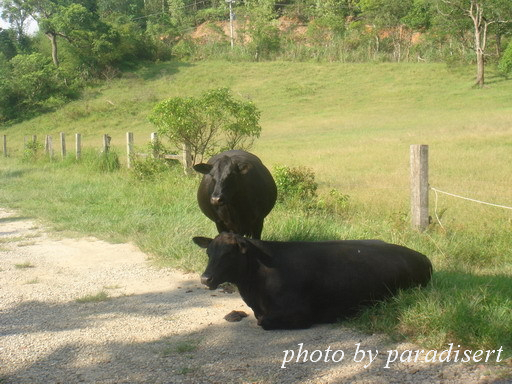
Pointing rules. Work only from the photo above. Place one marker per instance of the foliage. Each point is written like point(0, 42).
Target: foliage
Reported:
point(89, 39)
point(153, 165)
point(213, 122)
point(7, 44)
point(475, 18)
point(295, 183)
point(334, 202)
point(262, 30)
point(32, 151)
point(31, 84)
point(505, 64)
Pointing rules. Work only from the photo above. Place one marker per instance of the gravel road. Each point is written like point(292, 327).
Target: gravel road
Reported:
point(86, 311)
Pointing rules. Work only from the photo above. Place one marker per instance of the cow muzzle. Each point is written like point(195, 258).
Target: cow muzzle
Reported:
point(207, 280)
point(216, 200)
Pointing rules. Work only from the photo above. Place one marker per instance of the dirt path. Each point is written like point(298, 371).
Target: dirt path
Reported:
point(161, 326)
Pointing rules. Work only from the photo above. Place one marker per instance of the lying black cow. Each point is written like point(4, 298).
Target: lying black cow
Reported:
point(237, 192)
point(296, 284)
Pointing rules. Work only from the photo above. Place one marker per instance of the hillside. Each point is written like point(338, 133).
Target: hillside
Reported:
point(351, 123)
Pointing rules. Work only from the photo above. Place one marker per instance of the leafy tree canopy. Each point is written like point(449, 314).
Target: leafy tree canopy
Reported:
point(210, 123)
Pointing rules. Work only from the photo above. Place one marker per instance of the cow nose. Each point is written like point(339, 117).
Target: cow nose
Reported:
point(217, 200)
point(205, 280)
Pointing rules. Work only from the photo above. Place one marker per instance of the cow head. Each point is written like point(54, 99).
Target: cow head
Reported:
point(225, 256)
point(225, 174)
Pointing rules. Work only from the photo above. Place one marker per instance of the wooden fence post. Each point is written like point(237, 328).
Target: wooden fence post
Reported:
point(48, 146)
point(78, 145)
point(5, 146)
point(419, 186)
point(63, 144)
point(129, 149)
point(106, 143)
point(154, 144)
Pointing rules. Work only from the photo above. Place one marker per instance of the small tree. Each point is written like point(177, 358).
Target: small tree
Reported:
point(210, 123)
point(480, 15)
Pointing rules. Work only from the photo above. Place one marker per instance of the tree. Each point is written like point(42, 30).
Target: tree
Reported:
point(390, 17)
point(29, 84)
point(210, 123)
point(481, 14)
point(17, 15)
point(7, 46)
point(77, 22)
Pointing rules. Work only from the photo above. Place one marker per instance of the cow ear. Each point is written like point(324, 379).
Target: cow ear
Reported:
point(243, 168)
point(242, 244)
point(203, 168)
point(203, 242)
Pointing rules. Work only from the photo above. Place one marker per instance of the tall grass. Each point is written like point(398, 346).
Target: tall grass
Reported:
point(352, 126)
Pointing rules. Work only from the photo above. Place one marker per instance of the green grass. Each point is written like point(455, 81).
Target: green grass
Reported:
point(352, 124)
point(96, 298)
point(25, 265)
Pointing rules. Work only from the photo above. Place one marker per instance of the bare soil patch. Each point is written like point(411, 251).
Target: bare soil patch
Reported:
point(135, 323)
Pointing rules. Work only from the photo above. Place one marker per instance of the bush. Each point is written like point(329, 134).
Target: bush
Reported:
point(32, 151)
point(149, 167)
point(335, 202)
point(297, 189)
point(505, 65)
point(295, 183)
point(31, 84)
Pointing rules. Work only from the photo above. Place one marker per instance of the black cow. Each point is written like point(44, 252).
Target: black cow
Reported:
point(296, 284)
point(237, 192)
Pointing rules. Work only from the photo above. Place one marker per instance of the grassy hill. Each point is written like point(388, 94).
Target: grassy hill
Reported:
point(352, 124)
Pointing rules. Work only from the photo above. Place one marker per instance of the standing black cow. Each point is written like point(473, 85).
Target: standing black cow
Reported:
point(296, 284)
point(237, 192)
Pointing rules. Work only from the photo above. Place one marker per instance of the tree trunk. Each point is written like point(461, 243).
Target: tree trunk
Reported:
point(53, 39)
point(480, 63)
point(480, 31)
point(498, 45)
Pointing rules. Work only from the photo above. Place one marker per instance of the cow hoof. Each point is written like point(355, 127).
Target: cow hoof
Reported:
point(234, 316)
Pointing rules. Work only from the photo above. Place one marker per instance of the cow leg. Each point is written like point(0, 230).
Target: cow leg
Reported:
point(256, 229)
point(287, 313)
point(284, 322)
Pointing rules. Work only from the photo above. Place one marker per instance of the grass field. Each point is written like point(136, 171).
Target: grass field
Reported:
point(352, 124)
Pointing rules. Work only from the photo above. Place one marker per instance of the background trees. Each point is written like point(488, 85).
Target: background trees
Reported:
point(98, 39)
point(477, 17)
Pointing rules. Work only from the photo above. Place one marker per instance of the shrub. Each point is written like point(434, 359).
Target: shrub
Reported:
point(335, 202)
point(295, 183)
point(505, 64)
point(30, 84)
point(32, 151)
point(149, 167)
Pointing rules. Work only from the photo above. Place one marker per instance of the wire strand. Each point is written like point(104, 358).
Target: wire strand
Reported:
point(469, 199)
